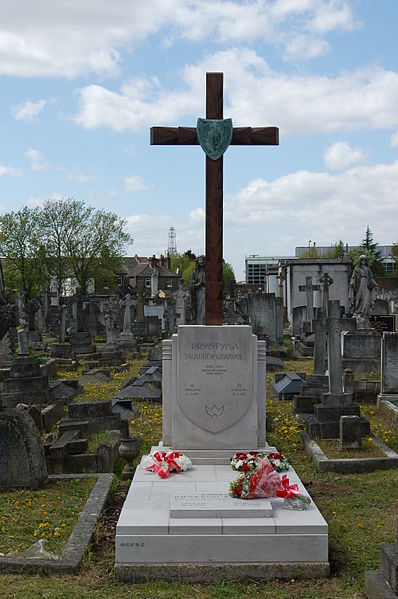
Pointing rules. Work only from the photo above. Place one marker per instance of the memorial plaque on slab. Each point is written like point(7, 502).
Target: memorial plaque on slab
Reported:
point(217, 505)
point(383, 323)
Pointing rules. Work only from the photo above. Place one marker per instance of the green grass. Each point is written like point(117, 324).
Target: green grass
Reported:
point(361, 511)
point(49, 513)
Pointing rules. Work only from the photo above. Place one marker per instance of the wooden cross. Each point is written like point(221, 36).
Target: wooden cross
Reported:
point(241, 136)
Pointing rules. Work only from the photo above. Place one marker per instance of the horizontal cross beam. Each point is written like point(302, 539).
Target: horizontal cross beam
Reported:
point(241, 136)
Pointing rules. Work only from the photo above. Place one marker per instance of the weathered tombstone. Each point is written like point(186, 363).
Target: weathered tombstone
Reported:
point(22, 460)
point(80, 340)
point(335, 403)
point(350, 433)
point(361, 350)
point(22, 316)
point(26, 384)
point(299, 316)
point(325, 281)
point(110, 353)
point(61, 349)
point(316, 383)
point(265, 311)
point(126, 340)
point(154, 284)
point(54, 292)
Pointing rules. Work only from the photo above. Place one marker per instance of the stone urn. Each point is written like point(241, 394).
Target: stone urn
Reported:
point(129, 449)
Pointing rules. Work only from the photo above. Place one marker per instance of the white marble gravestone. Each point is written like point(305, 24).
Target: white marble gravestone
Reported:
point(186, 526)
point(214, 389)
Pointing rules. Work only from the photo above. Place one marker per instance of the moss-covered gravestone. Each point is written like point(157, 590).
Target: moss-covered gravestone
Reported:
point(22, 460)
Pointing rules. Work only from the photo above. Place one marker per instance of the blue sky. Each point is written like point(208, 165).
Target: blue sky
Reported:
point(83, 81)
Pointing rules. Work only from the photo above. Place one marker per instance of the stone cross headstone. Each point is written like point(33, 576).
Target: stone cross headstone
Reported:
point(181, 300)
point(127, 303)
point(108, 317)
point(54, 292)
point(23, 320)
point(222, 134)
point(325, 281)
point(309, 289)
point(154, 284)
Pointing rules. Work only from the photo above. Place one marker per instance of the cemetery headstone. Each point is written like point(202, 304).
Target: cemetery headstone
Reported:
point(325, 282)
point(126, 340)
point(309, 289)
point(22, 460)
point(335, 403)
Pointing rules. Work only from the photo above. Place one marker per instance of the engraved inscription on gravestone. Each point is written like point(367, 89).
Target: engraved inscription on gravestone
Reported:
point(215, 375)
point(217, 505)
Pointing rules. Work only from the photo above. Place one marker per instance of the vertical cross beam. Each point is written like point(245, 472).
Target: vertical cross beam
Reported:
point(214, 209)
point(309, 288)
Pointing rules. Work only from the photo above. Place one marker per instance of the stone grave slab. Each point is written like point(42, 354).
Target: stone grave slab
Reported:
point(161, 522)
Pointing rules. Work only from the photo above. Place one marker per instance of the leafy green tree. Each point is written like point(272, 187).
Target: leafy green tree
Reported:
point(311, 252)
point(94, 243)
point(228, 278)
point(24, 255)
point(184, 264)
point(336, 251)
point(369, 248)
point(55, 226)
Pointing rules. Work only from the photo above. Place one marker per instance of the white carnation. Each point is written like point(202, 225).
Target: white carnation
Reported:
point(184, 462)
point(146, 461)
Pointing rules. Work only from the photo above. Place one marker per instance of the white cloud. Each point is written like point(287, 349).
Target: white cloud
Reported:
point(300, 104)
point(74, 38)
point(394, 140)
point(341, 155)
point(28, 110)
point(302, 205)
point(197, 215)
point(81, 178)
point(36, 160)
point(135, 184)
point(312, 205)
point(10, 170)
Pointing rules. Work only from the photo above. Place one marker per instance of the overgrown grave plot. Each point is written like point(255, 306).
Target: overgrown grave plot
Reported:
point(49, 513)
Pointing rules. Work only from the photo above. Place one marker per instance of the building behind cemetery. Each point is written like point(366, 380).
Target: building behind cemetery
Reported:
point(141, 272)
